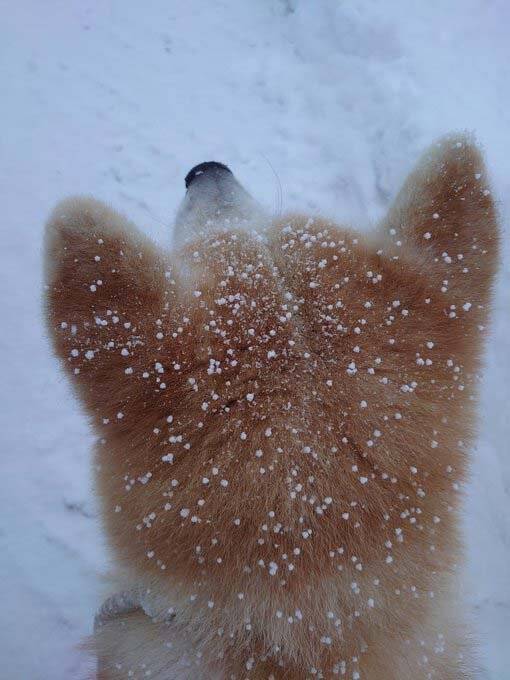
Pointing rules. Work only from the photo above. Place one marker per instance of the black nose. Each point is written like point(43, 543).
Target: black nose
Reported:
point(209, 168)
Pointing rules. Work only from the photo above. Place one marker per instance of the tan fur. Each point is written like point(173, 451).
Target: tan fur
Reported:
point(283, 424)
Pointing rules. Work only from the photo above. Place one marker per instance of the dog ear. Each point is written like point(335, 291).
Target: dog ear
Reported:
point(107, 290)
point(444, 218)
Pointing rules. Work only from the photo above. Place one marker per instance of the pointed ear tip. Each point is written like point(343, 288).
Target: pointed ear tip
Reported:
point(72, 207)
point(457, 147)
point(70, 215)
point(457, 139)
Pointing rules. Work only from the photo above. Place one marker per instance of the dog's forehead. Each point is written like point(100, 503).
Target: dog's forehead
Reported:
point(294, 268)
point(297, 246)
point(308, 319)
point(278, 310)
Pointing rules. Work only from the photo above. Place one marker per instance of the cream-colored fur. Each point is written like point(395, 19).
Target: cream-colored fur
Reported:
point(283, 427)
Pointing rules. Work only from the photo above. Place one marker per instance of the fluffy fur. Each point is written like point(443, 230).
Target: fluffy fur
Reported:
point(283, 425)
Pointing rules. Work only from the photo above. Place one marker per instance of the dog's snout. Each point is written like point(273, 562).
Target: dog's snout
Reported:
point(211, 169)
point(215, 199)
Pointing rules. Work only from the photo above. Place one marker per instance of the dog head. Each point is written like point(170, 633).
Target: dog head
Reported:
point(280, 404)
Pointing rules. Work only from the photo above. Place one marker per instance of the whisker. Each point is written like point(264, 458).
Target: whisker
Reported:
point(279, 192)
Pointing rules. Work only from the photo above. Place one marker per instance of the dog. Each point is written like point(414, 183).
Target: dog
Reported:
point(284, 410)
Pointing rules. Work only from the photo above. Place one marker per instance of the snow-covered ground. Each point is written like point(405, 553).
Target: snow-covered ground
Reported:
point(119, 99)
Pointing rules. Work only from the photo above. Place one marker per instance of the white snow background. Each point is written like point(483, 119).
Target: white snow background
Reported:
point(120, 99)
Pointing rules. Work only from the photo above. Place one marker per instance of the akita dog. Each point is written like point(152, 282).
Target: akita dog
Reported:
point(284, 410)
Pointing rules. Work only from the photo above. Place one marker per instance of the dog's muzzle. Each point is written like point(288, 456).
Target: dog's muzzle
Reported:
point(215, 200)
